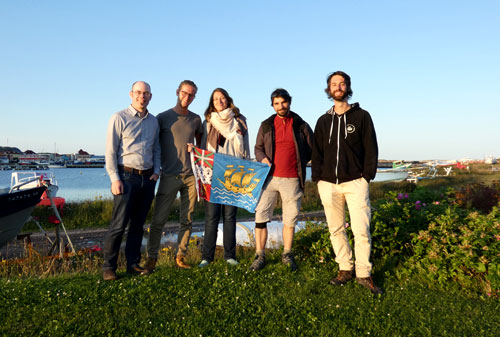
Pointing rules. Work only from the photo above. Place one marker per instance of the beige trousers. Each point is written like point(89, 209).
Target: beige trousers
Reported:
point(334, 197)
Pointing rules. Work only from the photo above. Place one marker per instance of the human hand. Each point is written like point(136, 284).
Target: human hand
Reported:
point(154, 177)
point(117, 187)
point(266, 161)
point(190, 147)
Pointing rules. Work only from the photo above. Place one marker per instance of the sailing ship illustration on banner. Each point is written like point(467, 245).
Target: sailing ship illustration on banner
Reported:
point(228, 180)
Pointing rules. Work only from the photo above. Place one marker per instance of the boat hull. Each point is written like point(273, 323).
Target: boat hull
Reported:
point(15, 210)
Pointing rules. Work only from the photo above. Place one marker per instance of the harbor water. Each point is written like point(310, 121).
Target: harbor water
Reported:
point(78, 184)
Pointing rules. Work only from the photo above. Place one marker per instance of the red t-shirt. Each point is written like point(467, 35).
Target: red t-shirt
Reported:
point(285, 157)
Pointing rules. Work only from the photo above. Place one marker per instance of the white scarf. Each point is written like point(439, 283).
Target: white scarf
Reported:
point(225, 123)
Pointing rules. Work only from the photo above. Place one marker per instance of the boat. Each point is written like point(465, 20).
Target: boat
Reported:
point(400, 165)
point(395, 175)
point(15, 209)
point(30, 179)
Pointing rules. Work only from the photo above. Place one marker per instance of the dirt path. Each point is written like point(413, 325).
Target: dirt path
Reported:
point(94, 238)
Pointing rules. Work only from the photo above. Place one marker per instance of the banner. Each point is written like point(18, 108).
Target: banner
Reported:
point(228, 180)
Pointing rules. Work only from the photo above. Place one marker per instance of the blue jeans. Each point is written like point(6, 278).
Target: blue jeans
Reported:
point(129, 208)
point(212, 217)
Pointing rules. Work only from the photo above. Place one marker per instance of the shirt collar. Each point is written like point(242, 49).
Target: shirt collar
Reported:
point(132, 111)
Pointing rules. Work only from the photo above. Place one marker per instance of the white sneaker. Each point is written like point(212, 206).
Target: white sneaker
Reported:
point(203, 263)
point(232, 262)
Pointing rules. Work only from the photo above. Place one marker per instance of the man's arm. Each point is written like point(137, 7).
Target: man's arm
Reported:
point(113, 140)
point(259, 149)
point(156, 155)
point(317, 153)
point(371, 149)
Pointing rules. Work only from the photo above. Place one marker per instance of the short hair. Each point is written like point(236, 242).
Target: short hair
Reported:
point(230, 104)
point(187, 82)
point(280, 92)
point(132, 89)
point(347, 80)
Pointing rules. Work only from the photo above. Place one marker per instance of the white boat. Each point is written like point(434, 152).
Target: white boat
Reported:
point(15, 209)
point(391, 175)
point(25, 180)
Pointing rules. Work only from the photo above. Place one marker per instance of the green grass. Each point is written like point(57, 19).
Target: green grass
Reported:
point(222, 301)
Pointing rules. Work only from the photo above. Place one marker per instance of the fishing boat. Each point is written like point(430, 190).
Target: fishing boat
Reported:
point(15, 209)
point(30, 179)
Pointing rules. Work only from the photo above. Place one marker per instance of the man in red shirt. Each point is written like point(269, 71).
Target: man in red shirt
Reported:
point(284, 142)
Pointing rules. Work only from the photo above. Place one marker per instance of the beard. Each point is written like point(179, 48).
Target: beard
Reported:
point(339, 95)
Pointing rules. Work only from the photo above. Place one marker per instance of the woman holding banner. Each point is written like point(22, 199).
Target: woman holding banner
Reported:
point(224, 131)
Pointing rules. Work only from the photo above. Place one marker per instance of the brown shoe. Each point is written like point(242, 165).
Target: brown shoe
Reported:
point(342, 278)
point(367, 282)
point(150, 264)
point(109, 275)
point(179, 261)
point(135, 269)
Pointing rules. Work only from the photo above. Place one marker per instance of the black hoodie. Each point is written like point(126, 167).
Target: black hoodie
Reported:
point(345, 147)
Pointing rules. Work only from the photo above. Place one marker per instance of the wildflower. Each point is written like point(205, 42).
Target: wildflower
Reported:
point(418, 205)
point(497, 237)
point(400, 196)
point(436, 202)
point(406, 196)
point(346, 225)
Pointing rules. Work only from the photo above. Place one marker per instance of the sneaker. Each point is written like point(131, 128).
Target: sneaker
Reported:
point(367, 282)
point(150, 264)
point(342, 278)
point(289, 261)
point(232, 262)
point(258, 263)
point(180, 262)
point(203, 263)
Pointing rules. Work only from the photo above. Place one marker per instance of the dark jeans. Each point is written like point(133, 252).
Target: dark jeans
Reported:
point(212, 217)
point(131, 208)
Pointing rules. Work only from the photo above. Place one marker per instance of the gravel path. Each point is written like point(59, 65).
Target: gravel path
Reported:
point(94, 238)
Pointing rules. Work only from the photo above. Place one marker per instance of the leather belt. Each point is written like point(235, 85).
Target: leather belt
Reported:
point(135, 171)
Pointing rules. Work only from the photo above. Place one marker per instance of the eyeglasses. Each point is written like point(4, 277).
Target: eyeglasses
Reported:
point(140, 93)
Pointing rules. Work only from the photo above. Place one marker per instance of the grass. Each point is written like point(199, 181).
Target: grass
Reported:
point(67, 297)
point(232, 301)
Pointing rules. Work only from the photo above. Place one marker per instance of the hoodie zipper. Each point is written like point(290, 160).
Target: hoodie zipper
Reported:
point(338, 150)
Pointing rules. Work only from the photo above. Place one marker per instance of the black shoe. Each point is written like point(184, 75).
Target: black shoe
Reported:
point(258, 263)
point(342, 278)
point(367, 282)
point(109, 275)
point(135, 269)
point(289, 261)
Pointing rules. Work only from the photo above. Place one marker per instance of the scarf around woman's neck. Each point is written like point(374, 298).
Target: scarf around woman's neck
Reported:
point(225, 123)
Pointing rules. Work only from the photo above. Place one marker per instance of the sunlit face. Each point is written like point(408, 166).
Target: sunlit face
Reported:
point(140, 95)
point(220, 101)
point(281, 106)
point(186, 95)
point(338, 88)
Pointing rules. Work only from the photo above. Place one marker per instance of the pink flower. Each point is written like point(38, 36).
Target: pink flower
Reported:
point(436, 202)
point(400, 196)
point(406, 196)
point(418, 205)
point(346, 225)
point(497, 237)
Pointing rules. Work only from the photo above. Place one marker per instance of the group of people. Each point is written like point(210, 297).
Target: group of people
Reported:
point(142, 148)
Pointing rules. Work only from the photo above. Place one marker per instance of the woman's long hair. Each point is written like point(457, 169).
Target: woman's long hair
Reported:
point(230, 104)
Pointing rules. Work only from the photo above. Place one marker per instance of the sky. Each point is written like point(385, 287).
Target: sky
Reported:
point(427, 71)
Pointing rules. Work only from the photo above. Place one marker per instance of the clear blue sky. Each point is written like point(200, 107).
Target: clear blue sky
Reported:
point(427, 71)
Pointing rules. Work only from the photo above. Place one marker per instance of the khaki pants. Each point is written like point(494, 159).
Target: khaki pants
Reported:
point(334, 197)
point(169, 186)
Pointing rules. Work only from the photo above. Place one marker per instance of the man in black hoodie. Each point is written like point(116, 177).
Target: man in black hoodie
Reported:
point(344, 160)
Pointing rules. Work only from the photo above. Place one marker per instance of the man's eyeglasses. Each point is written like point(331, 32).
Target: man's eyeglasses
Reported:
point(140, 93)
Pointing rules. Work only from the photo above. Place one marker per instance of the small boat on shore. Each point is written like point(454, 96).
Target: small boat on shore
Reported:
point(15, 209)
point(391, 175)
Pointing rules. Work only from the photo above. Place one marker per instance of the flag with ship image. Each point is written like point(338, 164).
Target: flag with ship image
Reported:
point(228, 180)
